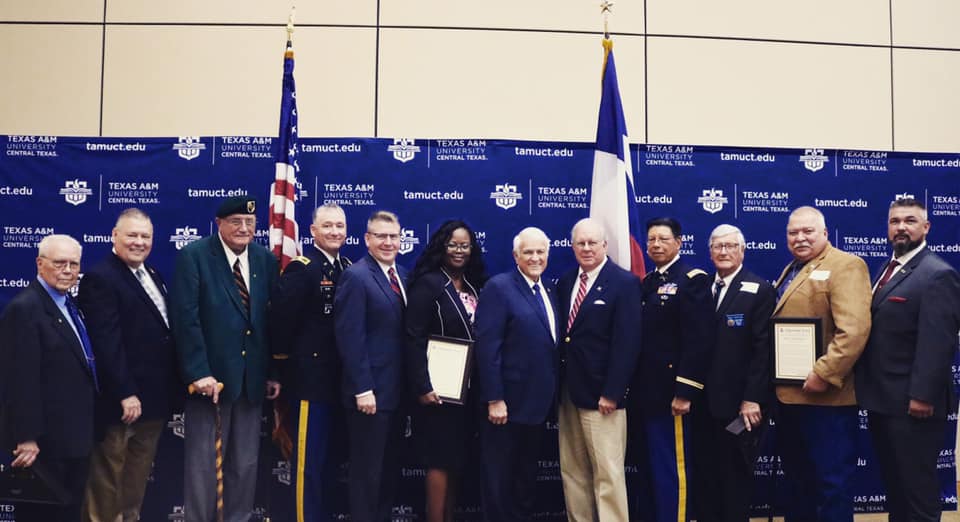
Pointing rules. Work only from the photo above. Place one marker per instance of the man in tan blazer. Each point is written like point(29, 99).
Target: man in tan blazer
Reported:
point(817, 421)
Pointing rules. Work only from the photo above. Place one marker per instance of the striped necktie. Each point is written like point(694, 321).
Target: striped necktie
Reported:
point(581, 293)
point(241, 285)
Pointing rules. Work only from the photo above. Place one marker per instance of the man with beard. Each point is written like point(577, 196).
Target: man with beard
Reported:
point(904, 377)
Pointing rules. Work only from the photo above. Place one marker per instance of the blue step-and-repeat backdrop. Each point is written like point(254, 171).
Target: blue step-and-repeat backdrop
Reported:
point(77, 186)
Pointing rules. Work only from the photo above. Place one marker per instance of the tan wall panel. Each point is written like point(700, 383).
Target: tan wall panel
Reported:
point(926, 102)
point(851, 21)
point(242, 11)
point(51, 10)
point(51, 85)
point(169, 81)
point(762, 94)
point(931, 23)
point(492, 84)
point(530, 14)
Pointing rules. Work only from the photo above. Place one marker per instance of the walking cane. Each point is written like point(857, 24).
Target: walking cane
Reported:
point(218, 444)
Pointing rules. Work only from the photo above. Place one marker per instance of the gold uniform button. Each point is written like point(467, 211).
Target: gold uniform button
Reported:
point(566, 340)
point(249, 332)
point(669, 366)
point(315, 354)
point(243, 353)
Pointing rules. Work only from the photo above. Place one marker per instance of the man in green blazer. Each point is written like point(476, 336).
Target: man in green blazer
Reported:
point(218, 312)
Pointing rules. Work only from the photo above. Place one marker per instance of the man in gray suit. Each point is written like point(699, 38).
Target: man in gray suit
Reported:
point(904, 376)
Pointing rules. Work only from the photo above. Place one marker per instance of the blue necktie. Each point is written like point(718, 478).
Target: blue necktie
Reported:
point(543, 307)
point(84, 340)
point(794, 270)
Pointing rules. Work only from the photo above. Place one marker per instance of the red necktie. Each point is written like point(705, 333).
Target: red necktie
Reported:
point(581, 293)
point(394, 282)
point(891, 269)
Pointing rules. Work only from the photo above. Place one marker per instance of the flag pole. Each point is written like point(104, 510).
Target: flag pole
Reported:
point(293, 11)
point(606, 7)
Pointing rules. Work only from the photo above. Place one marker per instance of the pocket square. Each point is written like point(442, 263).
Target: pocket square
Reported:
point(897, 299)
point(599, 302)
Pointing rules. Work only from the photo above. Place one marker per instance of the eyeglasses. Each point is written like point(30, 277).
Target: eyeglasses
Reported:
point(60, 264)
point(729, 247)
point(584, 244)
point(385, 237)
point(239, 222)
point(459, 247)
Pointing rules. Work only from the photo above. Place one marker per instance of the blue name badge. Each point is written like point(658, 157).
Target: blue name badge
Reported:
point(734, 319)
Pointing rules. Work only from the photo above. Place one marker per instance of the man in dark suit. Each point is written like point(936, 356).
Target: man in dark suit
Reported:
point(904, 376)
point(49, 379)
point(368, 323)
point(517, 328)
point(738, 387)
point(125, 304)
point(599, 346)
point(817, 420)
point(218, 312)
point(302, 337)
point(677, 318)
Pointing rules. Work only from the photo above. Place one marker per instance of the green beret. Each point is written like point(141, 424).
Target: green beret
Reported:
point(237, 205)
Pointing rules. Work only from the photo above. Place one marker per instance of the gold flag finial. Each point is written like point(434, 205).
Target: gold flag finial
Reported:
point(606, 7)
point(293, 10)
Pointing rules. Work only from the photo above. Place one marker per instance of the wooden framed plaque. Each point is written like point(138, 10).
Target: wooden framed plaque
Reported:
point(797, 343)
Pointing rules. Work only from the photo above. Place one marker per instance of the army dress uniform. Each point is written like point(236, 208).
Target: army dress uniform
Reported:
point(303, 345)
point(677, 315)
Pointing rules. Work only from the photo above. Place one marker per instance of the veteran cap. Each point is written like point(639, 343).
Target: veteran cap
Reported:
point(237, 205)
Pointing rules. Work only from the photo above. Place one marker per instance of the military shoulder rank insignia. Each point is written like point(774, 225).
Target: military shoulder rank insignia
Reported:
point(695, 272)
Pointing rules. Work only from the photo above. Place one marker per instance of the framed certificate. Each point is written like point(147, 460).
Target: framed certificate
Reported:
point(797, 343)
point(449, 361)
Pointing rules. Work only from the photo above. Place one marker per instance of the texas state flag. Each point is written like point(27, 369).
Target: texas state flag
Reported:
point(612, 198)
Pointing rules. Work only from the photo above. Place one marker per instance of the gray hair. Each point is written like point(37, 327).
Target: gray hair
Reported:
point(530, 233)
point(131, 213)
point(330, 205)
point(811, 210)
point(43, 248)
point(590, 221)
point(726, 230)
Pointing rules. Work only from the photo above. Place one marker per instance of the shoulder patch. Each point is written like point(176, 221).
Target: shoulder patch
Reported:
point(304, 261)
point(695, 272)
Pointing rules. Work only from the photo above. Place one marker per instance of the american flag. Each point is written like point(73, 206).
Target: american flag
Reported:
point(284, 232)
point(612, 197)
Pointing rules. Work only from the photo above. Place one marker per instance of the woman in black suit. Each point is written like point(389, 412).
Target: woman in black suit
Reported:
point(441, 300)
